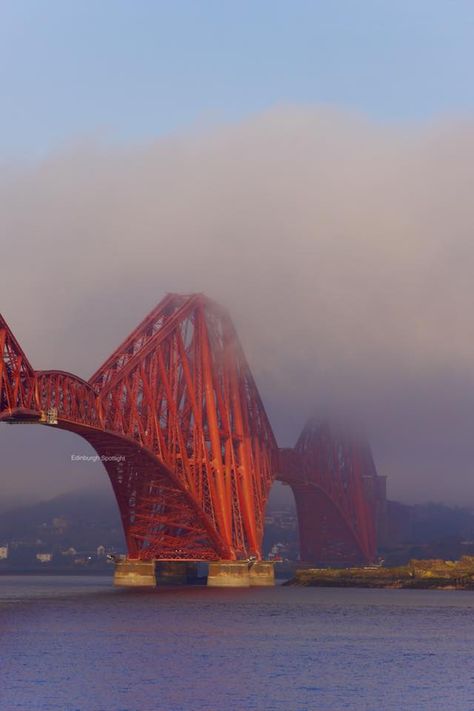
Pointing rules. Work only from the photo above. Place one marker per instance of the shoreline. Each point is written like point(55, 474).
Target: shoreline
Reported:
point(417, 575)
point(376, 585)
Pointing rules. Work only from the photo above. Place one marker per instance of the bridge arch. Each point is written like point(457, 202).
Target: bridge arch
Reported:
point(159, 517)
point(334, 483)
point(177, 403)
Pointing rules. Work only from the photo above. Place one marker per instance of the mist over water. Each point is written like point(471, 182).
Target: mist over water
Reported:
point(342, 249)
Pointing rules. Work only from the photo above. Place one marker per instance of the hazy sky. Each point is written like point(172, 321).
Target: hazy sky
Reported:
point(138, 69)
point(308, 165)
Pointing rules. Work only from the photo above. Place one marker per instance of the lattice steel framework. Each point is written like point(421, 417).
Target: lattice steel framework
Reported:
point(177, 419)
point(335, 485)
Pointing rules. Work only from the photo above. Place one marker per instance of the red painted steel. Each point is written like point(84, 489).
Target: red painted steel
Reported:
point(334, 482)
point(177, 419)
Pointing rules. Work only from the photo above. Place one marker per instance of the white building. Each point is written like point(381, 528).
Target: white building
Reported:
point(44, 557)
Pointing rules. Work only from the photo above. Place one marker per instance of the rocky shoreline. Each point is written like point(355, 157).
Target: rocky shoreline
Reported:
point(416, 575)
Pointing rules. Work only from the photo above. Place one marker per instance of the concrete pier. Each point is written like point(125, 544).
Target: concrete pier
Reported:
point(222, 573)
point(262, 573)
point(240, 574)
point(228, 574)
point(134, 573)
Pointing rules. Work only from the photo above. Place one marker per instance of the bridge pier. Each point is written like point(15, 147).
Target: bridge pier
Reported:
point(240, 574)
point(222, 573)
point(228, 574)
point(134, 573)
point(262, 574)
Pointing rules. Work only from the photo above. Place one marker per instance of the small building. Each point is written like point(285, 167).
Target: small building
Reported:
point(44, 557)
point(3, 552)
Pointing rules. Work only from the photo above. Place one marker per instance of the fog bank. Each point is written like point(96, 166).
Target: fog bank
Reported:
point(343, 250)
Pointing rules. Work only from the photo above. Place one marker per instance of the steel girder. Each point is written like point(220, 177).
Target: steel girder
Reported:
point(177, 419)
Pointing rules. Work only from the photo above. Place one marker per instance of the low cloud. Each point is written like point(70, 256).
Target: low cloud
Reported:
point(343, 250)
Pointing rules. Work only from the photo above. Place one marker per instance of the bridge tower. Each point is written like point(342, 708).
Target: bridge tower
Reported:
point(177, 418)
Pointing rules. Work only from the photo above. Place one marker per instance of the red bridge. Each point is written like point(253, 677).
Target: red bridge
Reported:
point(178, 420)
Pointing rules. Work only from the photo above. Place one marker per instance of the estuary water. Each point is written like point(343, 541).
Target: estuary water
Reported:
point(78, 644)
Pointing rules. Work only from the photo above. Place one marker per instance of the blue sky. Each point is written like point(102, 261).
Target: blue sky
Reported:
point(133, 70)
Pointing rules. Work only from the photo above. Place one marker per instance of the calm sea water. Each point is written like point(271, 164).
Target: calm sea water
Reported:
point(70, 644)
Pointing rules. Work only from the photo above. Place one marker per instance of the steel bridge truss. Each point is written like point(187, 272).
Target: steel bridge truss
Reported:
point(177, 419)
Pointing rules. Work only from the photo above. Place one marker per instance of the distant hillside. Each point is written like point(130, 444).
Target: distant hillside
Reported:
point(85, 520)
point(82, 520)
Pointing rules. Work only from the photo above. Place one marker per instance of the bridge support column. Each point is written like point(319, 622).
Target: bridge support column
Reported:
point(175, 573)
point(262, 574)
point(228, 574)
point(134, 573)
point(240, 574)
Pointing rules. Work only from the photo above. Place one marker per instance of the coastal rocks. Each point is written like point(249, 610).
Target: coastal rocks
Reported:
point(418, 574)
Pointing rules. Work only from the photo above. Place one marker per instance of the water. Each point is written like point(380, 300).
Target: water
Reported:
point(78, 644)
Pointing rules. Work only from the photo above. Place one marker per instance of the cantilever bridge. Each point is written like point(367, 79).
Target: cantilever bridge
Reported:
point(188, 447)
